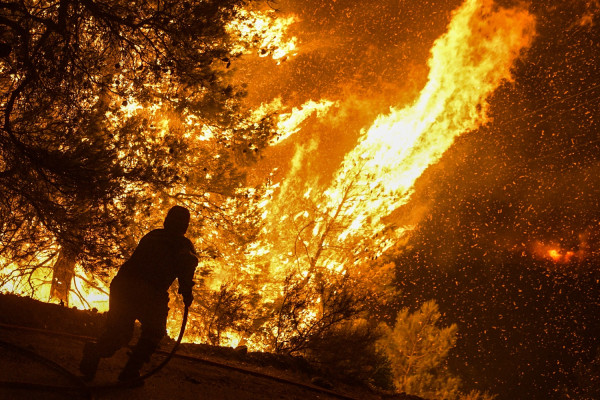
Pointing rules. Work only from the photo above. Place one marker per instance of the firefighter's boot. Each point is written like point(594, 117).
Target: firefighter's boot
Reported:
point(131, 371)
point(89, 361)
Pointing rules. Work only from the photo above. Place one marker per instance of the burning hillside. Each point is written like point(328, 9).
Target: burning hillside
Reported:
point(316, 232)
point(337, 156)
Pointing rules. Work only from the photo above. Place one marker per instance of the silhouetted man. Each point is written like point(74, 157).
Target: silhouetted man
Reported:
point(140, 291)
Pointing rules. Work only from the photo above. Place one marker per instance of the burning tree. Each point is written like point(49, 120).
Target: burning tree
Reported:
point(319, 282)
point(111, 110)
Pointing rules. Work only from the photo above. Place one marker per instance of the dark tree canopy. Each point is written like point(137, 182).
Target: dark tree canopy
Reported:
point(85, 86)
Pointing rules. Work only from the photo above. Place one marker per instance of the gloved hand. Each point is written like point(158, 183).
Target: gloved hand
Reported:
point(188, 299)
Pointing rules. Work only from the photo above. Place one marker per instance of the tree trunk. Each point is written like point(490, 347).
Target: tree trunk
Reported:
point(62, 275)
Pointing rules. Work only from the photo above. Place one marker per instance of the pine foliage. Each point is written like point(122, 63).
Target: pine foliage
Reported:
point(416, 347)
point(110, 111)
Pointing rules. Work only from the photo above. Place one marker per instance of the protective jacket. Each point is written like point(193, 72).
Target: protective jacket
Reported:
point(160, 257)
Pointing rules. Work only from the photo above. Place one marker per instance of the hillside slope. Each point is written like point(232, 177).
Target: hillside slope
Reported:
point(198, 371)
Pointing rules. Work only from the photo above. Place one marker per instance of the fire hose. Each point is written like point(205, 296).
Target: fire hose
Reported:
point(81, 387)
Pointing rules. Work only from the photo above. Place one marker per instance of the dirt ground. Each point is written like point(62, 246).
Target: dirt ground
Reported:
point(182, 378)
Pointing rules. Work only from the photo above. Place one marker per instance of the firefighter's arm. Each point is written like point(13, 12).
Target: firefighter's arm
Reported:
point(187, 263)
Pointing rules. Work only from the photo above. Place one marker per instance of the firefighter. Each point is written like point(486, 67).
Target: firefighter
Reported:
point(140, 291)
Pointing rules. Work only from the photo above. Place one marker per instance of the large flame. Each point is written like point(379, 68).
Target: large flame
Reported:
point(336, 227)
point(313, 231)
point(467, 64)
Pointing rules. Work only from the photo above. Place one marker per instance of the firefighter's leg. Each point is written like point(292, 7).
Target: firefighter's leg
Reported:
point(154, 328)
point(117, 333)
point(89, 361)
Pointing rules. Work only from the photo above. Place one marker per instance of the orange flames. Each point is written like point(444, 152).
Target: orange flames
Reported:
point(556, 253)
point(467, 64)
point(311, 229)
point(263, 32)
